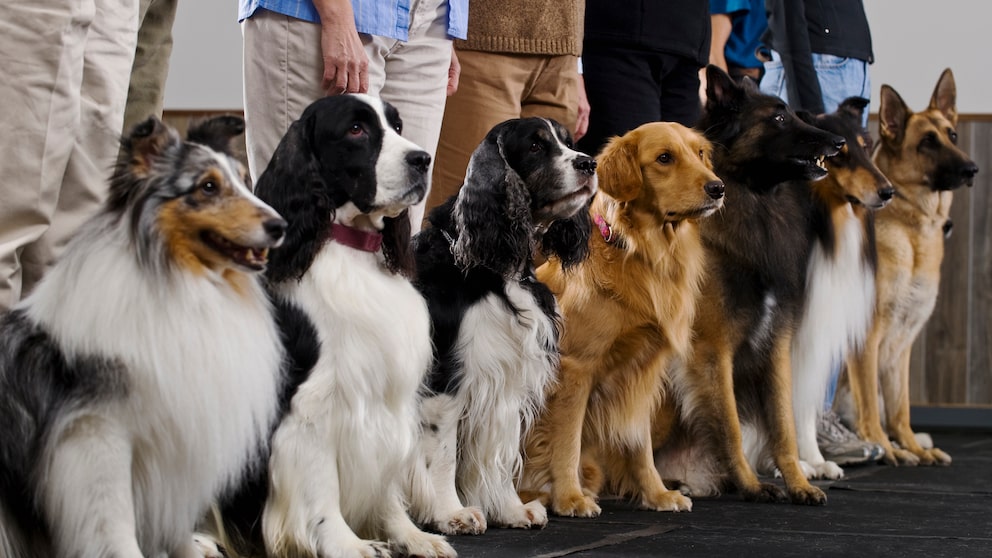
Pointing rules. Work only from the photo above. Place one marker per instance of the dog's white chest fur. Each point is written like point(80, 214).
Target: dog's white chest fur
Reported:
point(201, 363)
point(374, 330)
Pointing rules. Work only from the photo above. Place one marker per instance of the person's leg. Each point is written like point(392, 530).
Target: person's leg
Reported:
point(773, 82)
point(841, 78)
point(622, 89)
point(283, 69)
point(108, 56)
point(680, 90)
point(554, 93)
point(416, 79)
point(39, 102)
point(151, 61)
point(489, 92)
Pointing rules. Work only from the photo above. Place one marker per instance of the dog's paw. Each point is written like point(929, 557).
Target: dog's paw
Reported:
point(207, 547)
point(667, 500)
point(358, 549)
point(924, 439)
point(531, 515)
point(934, 457)
point(808, 470)
point(765, 493)
point(899, 457)
point(466, 521)
point(425, 545)
point(827, 470)
point(807, 495)
point(575, 505)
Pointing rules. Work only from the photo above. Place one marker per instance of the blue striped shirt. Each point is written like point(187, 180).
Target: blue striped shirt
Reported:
point(386, 18)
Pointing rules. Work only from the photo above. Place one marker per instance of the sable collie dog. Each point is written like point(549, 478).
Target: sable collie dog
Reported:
point(918, 152)
point(739, 370)
point(628, 310)
point(840, 278)
point(495, 326)
point(358, 336)
point(141, 375)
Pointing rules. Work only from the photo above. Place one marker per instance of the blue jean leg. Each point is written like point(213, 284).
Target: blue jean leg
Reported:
point(839, 79)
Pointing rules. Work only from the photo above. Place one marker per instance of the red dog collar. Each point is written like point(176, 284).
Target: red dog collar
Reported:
point(355, 238)
point(604, 229)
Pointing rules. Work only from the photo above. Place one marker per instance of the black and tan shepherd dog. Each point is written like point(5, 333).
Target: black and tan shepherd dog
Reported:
point(734, 400)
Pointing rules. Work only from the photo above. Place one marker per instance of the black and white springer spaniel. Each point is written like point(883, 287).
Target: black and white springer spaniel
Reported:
point(495, 327)
point(359, 336)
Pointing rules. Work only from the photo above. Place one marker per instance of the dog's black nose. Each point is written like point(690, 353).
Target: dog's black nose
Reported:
point(885, 193)
point(714, 189)
point(419, 160)
point(275, 228)
point(585, 165)
point(969, 170)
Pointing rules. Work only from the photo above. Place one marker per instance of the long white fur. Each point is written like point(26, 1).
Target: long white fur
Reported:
point(130, 478)
point(340, 457)
point(509, 373)
point(838, 312)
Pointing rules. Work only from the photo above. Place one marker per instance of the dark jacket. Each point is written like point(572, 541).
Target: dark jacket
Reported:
point(680, 27)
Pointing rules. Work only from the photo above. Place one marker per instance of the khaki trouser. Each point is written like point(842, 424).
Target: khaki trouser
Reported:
point(283, 69)
point(66, 70)
point(146, 91)
point(495, 87)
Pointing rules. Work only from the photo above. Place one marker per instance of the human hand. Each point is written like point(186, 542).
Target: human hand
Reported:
point(346, 66)
point(582, 118)
point(454, 72)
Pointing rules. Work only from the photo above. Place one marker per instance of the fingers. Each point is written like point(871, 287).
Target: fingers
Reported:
point(351, 76)
point(454, 71)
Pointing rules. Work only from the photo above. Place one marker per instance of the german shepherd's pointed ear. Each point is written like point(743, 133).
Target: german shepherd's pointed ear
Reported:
point(945, 96)
point(618, 169)
point(722, 90)
point(892, 115)
point(217, 132)
point(492, 212)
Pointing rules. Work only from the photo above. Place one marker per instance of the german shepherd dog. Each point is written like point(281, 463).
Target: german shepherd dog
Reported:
point(841, 268)
point(751, 300)
point(918, 153)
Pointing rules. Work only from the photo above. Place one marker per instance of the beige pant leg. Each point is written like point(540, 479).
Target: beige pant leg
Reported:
point(282, 73)
point(107, 59)
point(413, 77)
point(146, 90)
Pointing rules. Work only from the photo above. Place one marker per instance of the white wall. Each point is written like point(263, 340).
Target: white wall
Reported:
point(914, 40)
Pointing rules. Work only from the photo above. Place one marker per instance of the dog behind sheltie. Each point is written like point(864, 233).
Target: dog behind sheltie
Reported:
point(139, 377)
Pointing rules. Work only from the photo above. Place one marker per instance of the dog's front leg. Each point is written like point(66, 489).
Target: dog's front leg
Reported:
point(88, 491)
point(405, 537)
point(639, 460)
point(895, 390)
point(302, 515)
point(863, 382)
point(782, 426)
point(433, 496)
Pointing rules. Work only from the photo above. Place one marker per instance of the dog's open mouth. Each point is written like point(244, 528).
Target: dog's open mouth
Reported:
point(245, 256)
point(814, 167)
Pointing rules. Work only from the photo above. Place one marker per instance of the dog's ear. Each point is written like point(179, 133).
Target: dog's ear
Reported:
point(807, 117)
point(217, 132)
point(945, 96)
point(569, 238)
point(853, 108)
point(396, 247)
point(721, 90)
point(618, 168)
point(892, 115)
point(292, 185)
point(146, 141)
point(492, 212)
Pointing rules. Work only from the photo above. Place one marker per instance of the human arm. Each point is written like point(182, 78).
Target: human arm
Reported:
point(721, 26)
point(454, 72)
point(582, 118)
point(345, 62)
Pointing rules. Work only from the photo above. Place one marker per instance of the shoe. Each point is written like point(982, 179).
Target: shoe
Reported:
point(843, 447)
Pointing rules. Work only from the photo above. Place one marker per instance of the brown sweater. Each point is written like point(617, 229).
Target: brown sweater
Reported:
point(551, 27)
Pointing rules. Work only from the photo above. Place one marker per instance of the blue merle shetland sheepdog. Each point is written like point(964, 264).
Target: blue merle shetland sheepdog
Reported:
point(141, 375)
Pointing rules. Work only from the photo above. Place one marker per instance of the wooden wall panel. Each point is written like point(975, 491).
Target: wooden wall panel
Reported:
point(980, 308)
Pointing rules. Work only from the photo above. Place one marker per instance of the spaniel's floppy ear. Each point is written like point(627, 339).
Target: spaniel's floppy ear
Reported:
point(292, 185)
point(618, 169)
point(492, 212)
point(569, 238)
point(396, 247)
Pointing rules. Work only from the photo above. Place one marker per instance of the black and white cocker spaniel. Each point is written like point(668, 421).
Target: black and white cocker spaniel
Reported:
point(495, 327)
point(359, 336)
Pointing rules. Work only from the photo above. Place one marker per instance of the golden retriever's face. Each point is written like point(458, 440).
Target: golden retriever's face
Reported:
point(663, 169)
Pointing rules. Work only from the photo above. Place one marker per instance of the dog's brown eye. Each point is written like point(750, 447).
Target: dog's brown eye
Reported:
point(702, 155)
point(665, 158)
point(779, 117)
point(356, 130)
point(536, 147)
point(953, 135)
point(209, 187)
